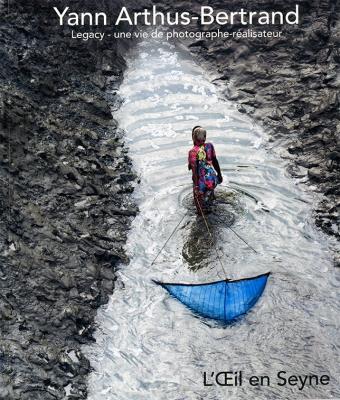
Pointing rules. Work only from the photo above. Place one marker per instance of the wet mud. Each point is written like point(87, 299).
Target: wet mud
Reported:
point(65, 199)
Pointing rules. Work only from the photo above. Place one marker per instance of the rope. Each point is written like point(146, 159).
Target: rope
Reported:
point(239, 236)
point(242, 239)
point(208, 229)
point(210, 234)
point(172, 233)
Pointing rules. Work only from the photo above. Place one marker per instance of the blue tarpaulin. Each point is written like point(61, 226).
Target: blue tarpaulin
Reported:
point(222, 300)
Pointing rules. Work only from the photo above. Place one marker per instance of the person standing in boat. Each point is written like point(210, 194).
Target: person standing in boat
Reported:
point(206, 172)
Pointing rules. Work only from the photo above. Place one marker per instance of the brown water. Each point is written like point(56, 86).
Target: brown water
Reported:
point(149, 346)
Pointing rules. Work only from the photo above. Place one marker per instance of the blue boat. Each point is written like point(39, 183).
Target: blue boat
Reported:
point(222, 300)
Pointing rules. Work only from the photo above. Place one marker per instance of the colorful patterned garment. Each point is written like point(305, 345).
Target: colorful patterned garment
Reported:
point(203, 174)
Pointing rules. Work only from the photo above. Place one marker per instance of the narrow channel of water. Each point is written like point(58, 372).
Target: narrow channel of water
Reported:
point(149, 346)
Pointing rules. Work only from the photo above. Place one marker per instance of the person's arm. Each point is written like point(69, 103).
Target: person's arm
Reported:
point(192, 165)
point(195, 176)
point(216, 165)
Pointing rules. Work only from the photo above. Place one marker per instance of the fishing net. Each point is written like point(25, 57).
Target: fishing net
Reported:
point(222, 300)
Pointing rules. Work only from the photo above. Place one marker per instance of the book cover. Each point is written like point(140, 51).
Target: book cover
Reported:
point(169, 199)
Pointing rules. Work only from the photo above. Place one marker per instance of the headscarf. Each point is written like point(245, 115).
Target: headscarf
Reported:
point(198, 135)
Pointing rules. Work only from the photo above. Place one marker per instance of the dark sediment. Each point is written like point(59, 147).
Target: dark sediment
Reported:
point(289, 84)
point(65, 199)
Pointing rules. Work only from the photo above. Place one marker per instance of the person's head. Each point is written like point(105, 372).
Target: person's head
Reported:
point(198, 135)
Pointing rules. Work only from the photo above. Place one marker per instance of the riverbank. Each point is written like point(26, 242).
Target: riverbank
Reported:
point(65, 195)
point(289, 84)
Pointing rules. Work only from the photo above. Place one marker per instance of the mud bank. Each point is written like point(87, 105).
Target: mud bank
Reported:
point(65, 199)
point(289, 84)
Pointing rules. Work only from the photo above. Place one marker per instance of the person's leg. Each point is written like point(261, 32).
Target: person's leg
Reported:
point(209, 197)
point(208, 200)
